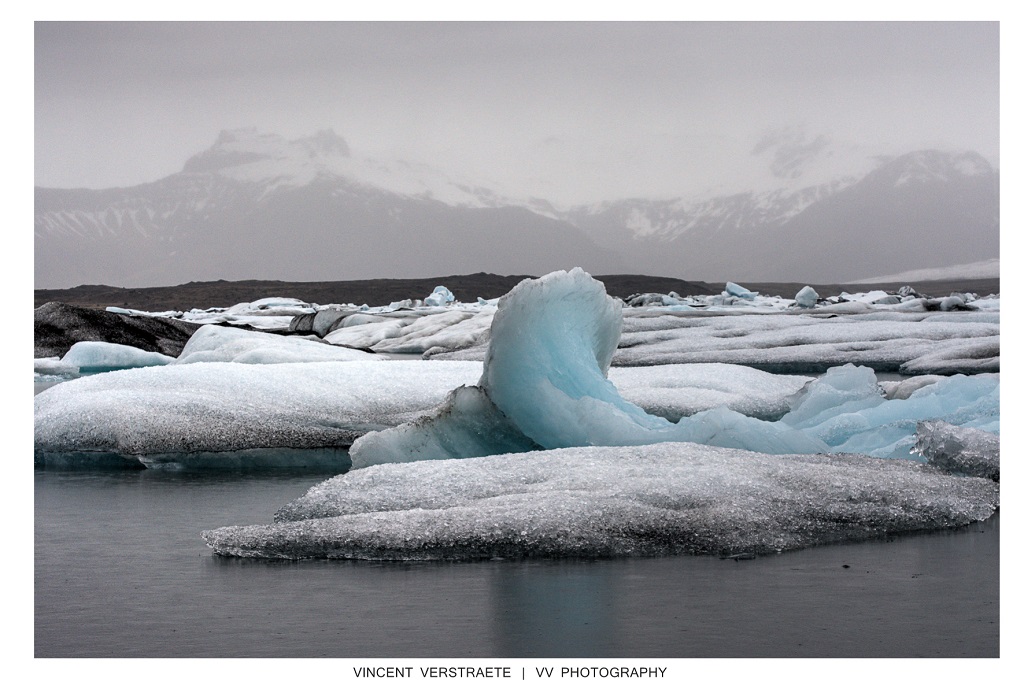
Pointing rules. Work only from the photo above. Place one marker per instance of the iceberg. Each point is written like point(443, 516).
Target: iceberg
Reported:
point(140, 414)
point(815, 339)
point(215, 343)
point(957, 449)
point(221, 407)
point(806, 297)
point(104, 356)
point(440, 296)
point(546, 373)
point(670, 498)
point(738, 291)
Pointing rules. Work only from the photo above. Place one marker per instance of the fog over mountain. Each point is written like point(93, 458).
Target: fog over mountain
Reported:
point(708, 150)
point(256, 205)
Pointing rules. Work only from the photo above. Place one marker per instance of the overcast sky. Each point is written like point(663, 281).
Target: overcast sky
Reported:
point(574, 112)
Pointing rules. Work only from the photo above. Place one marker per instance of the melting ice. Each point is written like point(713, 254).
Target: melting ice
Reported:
point(660, 499)
point(545, 373)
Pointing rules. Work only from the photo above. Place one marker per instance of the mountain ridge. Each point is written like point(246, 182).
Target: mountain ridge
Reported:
point(256, 204)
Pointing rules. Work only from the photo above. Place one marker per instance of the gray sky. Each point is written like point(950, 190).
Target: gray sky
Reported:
point(573, 112)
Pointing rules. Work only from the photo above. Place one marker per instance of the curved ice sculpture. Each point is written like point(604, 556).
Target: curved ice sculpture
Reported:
point(552, 342)
point(545, 385)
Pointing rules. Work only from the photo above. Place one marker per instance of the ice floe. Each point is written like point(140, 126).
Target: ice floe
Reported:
point(101, 356)
point(239, 406)
point(671, 498)
point(219, 343)
point(230, 407)
point(956, 449)
point(545, 372)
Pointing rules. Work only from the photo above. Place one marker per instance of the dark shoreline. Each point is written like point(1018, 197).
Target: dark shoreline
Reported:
point(467, 287)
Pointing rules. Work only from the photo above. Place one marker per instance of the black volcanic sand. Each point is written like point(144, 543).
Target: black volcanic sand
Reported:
point(378, 292)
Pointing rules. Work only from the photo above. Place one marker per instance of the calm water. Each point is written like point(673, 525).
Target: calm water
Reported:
point(120, 571)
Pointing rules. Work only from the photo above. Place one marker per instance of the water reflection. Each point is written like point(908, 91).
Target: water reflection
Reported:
point(120, 570)
point(555, 608)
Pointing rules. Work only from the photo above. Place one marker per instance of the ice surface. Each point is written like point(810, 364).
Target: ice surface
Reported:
point(977, 355)
point(814, 340)
point(847, 411)
point(738, 291)
point(467, 424)
point(552, 341)
point(901, 389)
point(215, 343)
point(956, 449)
point(671, 498)
point(221, 407)
point(98, 356)
point(51, 366)
point(134, 413)
point(440, 296)
point(419, 332)
point(806, 297)
point(677, 390)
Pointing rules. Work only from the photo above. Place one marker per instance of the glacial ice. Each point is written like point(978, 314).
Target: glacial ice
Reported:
point(719, 403)
point(670, 498)
point(100, 356)
point(417, 332)
point(440, 296)
point(552, 342)
point(956, 449)
point(814, 340)
point(806, 297)
point(233, 406)
point(215, 343)
point(739, 292)
point(224, 407)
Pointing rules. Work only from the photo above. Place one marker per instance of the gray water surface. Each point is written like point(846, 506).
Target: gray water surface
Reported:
point(121, 571)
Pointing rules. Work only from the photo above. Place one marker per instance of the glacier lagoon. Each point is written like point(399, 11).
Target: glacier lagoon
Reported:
point(781, 401)
point(121, 571)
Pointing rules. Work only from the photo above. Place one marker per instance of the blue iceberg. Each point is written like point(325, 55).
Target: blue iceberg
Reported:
point(546, 376)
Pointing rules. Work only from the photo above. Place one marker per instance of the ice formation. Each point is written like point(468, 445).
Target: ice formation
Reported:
point(738, 291)
point(140, 414)
point(417, 333)
point(440, 296)
point(234, 406)
point(806, 297)
point(214, 343)
point(103, 356)
point(813, 340)
point(552, 342)
point(957, 449)
point(671, 498)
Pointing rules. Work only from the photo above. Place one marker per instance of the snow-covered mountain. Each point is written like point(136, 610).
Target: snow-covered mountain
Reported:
point(257, 205)
point(923, 209)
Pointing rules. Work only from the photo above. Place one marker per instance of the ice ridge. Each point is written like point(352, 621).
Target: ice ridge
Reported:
point(552, 342)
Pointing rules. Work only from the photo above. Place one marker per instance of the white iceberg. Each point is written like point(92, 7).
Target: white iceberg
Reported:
point(440, 296)
point(956, 449)
point(671, 498)
point(816, 339)
point(102, 356)
point(738, 291)
point(155, 414)
point(806, 297)
point(215, 343)
point(152, 414)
